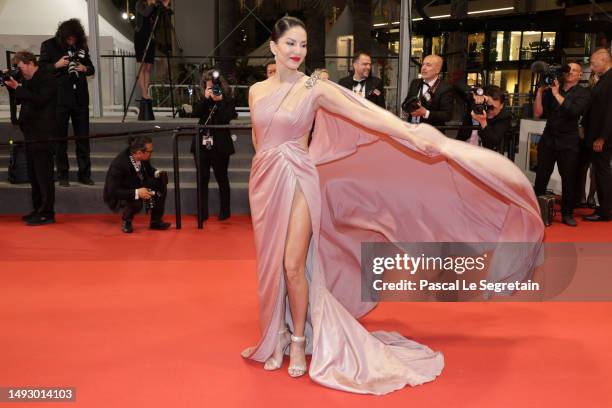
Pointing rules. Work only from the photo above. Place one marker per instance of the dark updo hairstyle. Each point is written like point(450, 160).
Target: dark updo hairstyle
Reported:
point(285, 24)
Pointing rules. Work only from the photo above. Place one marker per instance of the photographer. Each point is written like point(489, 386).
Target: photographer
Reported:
point(488, 111)
point(430, 98)
point(598, 133)
point(146, 12)
point(217, 107)
point(37, 96)
point(67, 57)
point(561, 104)
point(132, 181)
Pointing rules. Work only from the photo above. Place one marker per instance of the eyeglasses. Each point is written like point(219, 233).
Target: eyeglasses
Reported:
point(147, 151)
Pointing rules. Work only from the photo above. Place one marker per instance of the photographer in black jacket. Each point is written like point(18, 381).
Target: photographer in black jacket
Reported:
point(430, 98)
point(216, 149)
point(561, 104)
point(131, 182)
point(495, 121)
point(37, 96)
point(598, 133)
point(67, 57)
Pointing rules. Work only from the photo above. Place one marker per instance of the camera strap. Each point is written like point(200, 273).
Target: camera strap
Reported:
point(431, 89)
point(138, 170)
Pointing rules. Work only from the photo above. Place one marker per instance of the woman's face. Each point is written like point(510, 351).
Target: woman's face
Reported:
point(290, 50)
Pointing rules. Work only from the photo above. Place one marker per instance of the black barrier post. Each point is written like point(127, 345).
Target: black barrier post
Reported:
point(177, 182)
point(198, 155)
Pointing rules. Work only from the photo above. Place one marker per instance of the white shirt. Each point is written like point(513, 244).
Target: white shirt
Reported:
point(360, 88)
point(427, 85)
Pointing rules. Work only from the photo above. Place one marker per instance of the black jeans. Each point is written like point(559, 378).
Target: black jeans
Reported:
point(133, 207)
point(603, 179)
point(39, 158)
point(80, 125)
point(567, 161)
point(219, 163)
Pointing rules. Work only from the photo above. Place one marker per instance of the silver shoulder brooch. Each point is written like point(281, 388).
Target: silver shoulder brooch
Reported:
point(312, 80)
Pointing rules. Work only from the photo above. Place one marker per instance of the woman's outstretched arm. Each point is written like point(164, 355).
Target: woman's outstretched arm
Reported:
point(330, 98)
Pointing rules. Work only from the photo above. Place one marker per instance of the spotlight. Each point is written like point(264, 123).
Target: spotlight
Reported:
point(124, 15)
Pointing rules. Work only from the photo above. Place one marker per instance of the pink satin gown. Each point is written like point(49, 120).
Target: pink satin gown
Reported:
point(363, 186)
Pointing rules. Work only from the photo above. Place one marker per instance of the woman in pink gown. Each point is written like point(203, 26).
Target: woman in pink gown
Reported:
point(366, 177)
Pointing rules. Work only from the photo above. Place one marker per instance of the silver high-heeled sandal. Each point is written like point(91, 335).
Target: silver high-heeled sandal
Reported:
point(276, 361)
point(297, 370)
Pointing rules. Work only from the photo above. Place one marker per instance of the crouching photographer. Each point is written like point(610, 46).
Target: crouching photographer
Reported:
point(36, 94)
point(488, 110)
point(132, 182)
point(561, 101)
point(216, 146)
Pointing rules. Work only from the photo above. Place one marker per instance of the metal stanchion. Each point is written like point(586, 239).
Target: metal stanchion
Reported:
point(177, 182)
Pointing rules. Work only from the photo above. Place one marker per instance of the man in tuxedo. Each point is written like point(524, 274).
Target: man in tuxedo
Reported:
point(66, 56)
point(362, 83)
point(430, 98)
point(132, 181)
point(37, 95)
point(598, 133)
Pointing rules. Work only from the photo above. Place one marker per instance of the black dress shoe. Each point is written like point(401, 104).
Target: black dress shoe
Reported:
point(87, 181)
point(223, 216)
point(38, 219)
point(569, 221)
point(127, 227)
point(64, 183)
point(159, 225)
point(596, 218)
point(28, 216)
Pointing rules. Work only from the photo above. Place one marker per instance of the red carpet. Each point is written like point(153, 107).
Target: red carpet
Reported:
point(157, 319)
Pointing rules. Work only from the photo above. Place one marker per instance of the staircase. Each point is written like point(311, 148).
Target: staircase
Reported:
point(82, 199)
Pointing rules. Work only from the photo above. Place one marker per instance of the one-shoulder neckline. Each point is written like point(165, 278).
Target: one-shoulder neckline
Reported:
point(298, 77)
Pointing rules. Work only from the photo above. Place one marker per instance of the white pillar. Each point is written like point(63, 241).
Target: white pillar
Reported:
point(94, 52)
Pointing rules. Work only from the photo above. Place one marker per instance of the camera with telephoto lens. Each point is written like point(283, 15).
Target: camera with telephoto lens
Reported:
point(216, 88)
point(411, 104)
point(6, 75)
point(549, 72)
point(477, 108)
point(75, 57)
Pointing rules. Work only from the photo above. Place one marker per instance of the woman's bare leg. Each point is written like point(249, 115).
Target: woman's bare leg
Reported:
point(296, 249)
point(144, 80)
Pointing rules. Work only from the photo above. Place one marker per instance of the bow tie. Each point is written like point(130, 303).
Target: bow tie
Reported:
point(362, 83)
